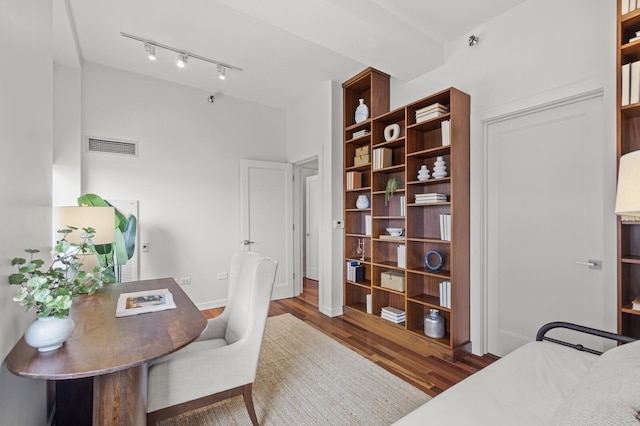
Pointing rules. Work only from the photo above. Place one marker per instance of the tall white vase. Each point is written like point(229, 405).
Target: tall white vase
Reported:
point(48, 334)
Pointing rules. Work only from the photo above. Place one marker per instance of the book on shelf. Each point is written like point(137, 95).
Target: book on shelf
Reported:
point(382, 157)
point(369, 305)
point(141, 302)
point(634, 85)
point(391, 237)
point(625, 89)
point(445, 126)
point(430, 198)
point(431, 111)
point(354, 180)
point(403, 206)
point(402, 256)
point(444, 288)
point(635, 304)
point(445, 227)
point(393, 314)
point(355, 271)
point(627, 6)
point(360, 133)
point(367, 224)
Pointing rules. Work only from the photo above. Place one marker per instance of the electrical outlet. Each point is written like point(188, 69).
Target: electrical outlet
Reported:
point(223, 275)
point(184, 280)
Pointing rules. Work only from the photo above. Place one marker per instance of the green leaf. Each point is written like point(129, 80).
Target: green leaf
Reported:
point(32, 251)
point(130, 236)
point(121, 252)
point(18, 261)
point(16, 278)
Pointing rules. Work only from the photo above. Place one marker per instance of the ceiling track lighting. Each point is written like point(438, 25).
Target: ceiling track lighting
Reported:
point(183, 55)
point(151, 51)
point(182, 60)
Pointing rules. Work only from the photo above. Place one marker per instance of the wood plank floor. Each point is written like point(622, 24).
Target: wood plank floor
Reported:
point(426, 372)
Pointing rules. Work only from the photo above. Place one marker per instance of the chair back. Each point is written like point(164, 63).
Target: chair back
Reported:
point(251, 278)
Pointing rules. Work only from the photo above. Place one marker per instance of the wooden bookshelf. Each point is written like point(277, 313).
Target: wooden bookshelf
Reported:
point(417, 144)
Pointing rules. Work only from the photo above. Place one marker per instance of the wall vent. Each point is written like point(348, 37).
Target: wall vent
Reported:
point(113, 147)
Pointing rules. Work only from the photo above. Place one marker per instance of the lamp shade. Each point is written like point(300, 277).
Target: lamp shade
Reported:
point(628, 195)
point(102, 219)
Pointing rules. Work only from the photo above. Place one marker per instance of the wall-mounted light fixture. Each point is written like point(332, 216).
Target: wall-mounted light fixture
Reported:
point(183, 55)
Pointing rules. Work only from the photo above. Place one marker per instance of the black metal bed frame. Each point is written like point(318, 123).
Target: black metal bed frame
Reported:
point(540, 336)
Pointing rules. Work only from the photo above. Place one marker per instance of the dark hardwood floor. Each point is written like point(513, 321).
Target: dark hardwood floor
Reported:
point(426, 372)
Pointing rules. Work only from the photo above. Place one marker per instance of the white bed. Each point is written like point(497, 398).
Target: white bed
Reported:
point(543, 383)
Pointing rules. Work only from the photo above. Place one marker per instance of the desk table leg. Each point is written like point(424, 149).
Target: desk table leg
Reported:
point(120, 398)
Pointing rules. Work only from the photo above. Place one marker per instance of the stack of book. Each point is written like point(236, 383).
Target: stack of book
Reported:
point(392, 314)
point(431, 111)
point(360, 133)
point(355, 271)
point(445, 227)
point(635, 304)
point(382, 157)
point(445, 294)
point(445, 126)
point(431, 198)
point(628, 6)
point(354, 180)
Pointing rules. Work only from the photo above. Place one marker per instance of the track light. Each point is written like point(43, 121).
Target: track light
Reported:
point(151, 51)
point(473, 40)
point(182, 60)
point(183, 55)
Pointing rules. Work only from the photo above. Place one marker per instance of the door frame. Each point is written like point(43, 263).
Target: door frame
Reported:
point(298, 219)
point(479, 181)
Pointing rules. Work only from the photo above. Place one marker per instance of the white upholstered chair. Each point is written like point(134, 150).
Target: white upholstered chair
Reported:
point(222, 362)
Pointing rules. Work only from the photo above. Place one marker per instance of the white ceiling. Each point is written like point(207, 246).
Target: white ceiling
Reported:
point(285, 47)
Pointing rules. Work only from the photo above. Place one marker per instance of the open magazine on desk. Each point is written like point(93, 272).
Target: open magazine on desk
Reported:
point(141, 302)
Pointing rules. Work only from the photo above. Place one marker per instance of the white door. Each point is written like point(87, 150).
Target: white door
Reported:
point(266, 208)
point(544, 213)
point(312, 227)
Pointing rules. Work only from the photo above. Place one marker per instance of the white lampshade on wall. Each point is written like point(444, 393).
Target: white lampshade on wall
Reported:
point(628, 194)
point(102, 219)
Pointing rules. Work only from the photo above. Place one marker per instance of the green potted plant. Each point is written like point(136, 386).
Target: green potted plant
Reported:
point(392, 186)
point(50, 292)
point(114, 256)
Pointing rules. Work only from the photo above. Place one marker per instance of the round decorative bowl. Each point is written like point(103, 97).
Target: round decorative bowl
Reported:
point(395, 232)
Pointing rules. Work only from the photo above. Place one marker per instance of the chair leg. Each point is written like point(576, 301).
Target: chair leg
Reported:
point(248, 402)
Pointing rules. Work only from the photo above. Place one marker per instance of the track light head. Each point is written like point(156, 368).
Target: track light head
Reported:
point(151, 51)
point(182, 60)
point(221, 72)
point(473, 40)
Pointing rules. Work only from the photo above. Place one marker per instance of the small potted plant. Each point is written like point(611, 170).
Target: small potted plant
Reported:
point(51, 291)
point(392, 186)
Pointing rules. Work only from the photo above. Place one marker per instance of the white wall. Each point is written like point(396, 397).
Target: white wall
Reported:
point(314, 129)
point(186, 176)
point(26, 85)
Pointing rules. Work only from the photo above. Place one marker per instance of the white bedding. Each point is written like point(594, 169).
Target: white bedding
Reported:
point(504, 391)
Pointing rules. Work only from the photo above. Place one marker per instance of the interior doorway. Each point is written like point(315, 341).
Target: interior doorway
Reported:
point(309, 195)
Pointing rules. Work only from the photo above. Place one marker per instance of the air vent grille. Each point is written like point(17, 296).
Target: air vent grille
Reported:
point(113, 147)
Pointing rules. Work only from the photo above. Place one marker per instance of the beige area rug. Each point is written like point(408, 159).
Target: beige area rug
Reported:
point(307, 378)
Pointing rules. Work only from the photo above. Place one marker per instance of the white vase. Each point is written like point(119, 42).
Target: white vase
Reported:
point(362, 112)
point(362, 202)
point(48, 334)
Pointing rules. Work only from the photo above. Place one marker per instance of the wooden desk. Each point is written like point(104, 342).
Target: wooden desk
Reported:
point(113, 352)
